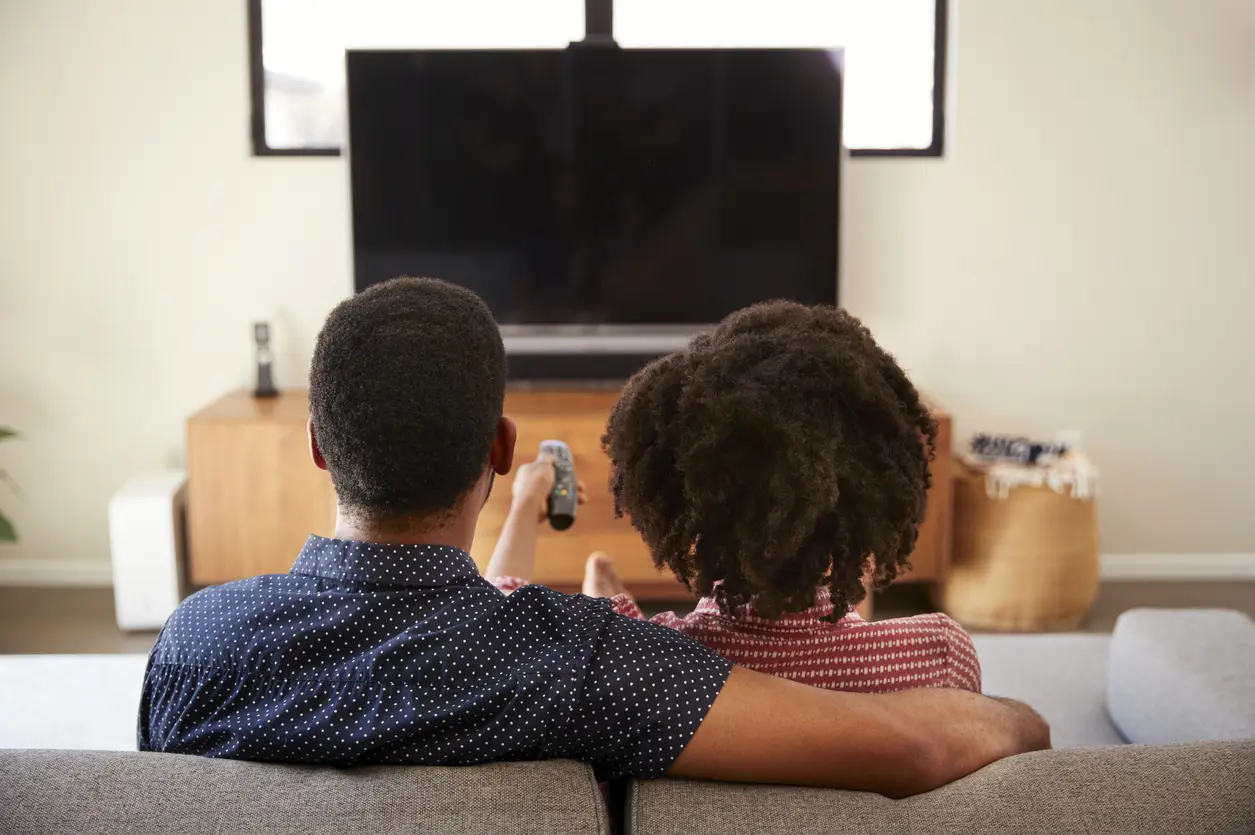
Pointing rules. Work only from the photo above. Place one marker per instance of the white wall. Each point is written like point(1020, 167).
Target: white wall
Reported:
point(1082, 259)
point(1085, 257)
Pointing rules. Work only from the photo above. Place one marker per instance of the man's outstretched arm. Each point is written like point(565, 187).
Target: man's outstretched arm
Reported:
point(763, 729)
point(514, 557)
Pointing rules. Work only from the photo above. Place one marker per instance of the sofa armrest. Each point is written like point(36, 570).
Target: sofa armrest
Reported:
point(1183, 675)
point(1192, 789)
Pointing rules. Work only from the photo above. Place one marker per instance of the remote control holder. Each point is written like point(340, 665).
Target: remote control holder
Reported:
point(564, 498)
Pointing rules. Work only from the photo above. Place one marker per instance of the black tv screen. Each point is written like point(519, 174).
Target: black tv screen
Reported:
point(599, 186)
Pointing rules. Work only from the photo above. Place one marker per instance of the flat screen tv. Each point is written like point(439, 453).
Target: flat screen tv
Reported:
point(599, 191)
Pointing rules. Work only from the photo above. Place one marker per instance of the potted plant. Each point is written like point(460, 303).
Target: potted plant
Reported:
point(7, 531)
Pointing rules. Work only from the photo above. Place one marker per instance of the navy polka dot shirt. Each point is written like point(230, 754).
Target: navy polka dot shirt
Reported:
point(370, 653)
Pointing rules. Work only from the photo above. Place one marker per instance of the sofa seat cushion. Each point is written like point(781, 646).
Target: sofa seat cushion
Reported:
point(1063, 677)
point(44, 702)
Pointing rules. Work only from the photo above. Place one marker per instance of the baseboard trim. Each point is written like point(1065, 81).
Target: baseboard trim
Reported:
point(1178, 567)
point(28, 572)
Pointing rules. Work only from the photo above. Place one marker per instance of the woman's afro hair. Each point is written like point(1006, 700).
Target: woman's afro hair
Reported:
point(782, 451)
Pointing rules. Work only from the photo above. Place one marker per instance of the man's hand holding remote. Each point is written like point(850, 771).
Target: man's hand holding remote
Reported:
point(534, 482)
point(515, 554)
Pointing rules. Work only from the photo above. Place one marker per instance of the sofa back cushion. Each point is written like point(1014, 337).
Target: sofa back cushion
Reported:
point(1195, 789)
point(80, 792)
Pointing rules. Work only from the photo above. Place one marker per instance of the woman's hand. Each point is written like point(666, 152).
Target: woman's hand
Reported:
point(532, 485)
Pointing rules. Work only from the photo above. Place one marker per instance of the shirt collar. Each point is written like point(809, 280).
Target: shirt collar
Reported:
point(390, 565)
point(807, 619)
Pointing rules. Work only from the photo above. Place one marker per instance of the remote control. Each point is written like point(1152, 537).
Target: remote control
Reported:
point(564, 497)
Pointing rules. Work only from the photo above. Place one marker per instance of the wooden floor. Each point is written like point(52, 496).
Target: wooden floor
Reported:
point(39, 620)
point(42, 620)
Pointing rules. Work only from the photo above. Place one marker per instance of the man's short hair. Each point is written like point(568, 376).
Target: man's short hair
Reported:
point(405, 392)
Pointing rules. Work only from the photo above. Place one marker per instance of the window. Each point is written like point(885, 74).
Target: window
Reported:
point(894, 54)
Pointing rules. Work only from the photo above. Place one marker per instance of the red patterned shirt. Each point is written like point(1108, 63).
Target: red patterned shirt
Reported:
point(852, 654)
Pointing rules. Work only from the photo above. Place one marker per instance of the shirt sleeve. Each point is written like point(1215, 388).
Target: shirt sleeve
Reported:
point(646, 690)
point(963, 663)
point(623, 604)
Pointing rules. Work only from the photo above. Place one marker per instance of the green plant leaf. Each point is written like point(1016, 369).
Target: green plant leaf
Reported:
point(5, 432)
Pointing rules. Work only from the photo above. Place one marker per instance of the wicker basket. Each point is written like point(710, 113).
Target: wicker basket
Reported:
point(1027, 562)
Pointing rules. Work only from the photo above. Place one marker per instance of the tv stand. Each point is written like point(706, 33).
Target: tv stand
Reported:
point(254, 496)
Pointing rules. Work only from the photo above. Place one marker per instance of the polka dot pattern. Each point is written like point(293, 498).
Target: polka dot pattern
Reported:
point(369, 653)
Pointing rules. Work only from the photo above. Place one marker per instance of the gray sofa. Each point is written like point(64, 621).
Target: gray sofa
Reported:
point(1161, 673)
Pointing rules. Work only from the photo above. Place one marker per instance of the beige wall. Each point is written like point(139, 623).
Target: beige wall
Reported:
point(1083, 258)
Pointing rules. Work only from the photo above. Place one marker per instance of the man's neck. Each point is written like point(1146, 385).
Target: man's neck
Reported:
point(456, 532)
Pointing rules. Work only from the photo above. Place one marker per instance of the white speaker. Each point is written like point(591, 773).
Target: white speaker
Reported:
point(146, 538)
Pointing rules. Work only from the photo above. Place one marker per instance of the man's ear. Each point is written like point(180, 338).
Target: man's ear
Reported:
point(314, 452)
point(501, 456)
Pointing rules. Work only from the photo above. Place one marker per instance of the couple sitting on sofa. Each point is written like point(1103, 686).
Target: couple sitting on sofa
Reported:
point(772, 465)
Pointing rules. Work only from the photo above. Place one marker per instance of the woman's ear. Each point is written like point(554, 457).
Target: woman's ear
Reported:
point(314, 452)
point(501, 456)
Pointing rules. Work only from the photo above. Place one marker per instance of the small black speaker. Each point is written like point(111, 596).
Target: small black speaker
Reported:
point(265, 362)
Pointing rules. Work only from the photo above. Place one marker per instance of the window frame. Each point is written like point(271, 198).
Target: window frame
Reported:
point(257, 95)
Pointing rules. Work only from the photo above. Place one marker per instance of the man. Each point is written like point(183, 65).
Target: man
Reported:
point(384, 645)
